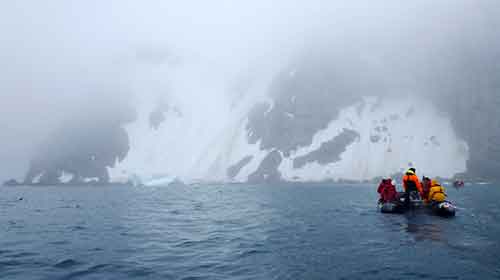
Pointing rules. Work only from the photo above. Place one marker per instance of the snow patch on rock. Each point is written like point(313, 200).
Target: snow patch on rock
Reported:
point(37, 178)
point(402, 141)
point(66, 177)
point(90, 180)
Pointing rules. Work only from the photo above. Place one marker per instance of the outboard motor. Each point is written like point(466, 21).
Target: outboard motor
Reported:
point(445, 209)
point(391, 207)
point(415, 200)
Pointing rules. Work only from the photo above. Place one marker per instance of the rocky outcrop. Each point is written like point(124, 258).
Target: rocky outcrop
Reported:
point(267, 172)
point(11, 183)
point(233, 170)
point(305, 98)
point(159, 114)
point(329, 151)
point(467, 88)
point(476, 120)
point(81, 149)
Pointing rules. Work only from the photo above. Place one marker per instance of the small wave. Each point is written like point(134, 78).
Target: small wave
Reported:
point(75, 228)
point(252, 252)
point(91, 270)
point(60, 242)
point(372, 272)
point(96, 249)
point(10, 263)
point(66, 263)
point(99, 267)
point(189, 243)
point(194, 277)
point(139, 272)
point(22, 255)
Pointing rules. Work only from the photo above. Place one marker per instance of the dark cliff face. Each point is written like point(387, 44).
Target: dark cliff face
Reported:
point(83, 146)
point(465, 84)
point(81, 149)
point(477, 119)
point(474, 110)
point(328, 151)
point(306, 97)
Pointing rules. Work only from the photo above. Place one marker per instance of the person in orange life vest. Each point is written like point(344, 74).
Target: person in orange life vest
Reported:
point(411, 184)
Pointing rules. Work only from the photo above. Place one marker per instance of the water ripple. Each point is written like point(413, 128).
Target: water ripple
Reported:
point(239, 232)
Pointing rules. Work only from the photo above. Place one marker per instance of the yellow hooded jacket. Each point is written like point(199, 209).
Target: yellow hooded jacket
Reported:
point(436, 192)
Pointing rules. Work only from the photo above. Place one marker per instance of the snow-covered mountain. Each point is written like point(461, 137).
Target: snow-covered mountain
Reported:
point(369, 138)
point(311, 121)
point(314, 120)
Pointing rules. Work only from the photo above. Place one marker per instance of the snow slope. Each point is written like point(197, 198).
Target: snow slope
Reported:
point(190, 144)
point(393, 134)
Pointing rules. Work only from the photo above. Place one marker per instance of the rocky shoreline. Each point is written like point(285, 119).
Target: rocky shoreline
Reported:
point(445, 181)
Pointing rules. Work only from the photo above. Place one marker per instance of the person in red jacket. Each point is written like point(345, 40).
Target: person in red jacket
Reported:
point(411, 184)
point(387, 191)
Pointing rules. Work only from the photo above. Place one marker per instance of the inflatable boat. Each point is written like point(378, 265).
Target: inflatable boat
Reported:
point(444, 209)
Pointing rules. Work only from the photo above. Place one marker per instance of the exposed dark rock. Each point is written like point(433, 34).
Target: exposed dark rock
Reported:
point(468, 91)
point(11, 183)
point(308, 100)
point(156, 118)
point(233, 170)
point(476, 119)
point(84, 146)
point(329, 151)
point(267, 172)
point(374, 138)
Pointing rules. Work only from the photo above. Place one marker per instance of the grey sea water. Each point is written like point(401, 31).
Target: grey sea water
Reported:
point(242, 232)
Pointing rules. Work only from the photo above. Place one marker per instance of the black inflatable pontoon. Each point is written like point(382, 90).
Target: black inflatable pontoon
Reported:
point(444, 209)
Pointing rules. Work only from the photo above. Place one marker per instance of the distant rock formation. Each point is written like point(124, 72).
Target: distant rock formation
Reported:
point(81, 149)
point(305, 98)
point(329, 151)
point(267, 172)
point(467, 88)
point(11, 183)
point(233, 170)
point(476, 118)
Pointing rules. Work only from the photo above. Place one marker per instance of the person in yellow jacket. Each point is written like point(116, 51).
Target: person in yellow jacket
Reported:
point(436, 192)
